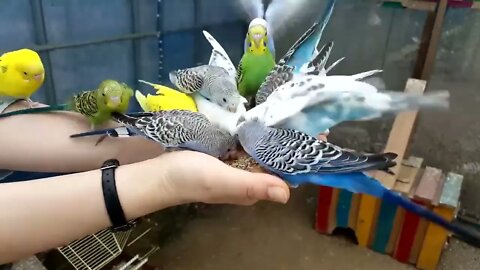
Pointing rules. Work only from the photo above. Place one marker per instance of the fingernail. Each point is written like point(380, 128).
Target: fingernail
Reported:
point(277, 194)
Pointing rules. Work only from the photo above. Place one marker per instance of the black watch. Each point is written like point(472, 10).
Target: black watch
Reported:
point(110, 195)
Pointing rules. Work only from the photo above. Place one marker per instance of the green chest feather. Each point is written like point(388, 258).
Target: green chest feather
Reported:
point(253, 70)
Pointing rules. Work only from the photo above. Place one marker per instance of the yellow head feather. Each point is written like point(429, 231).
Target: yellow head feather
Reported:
point(21, 73)
point(257, 39)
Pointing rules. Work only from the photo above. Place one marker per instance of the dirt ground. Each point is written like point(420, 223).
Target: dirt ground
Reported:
point(270, 236)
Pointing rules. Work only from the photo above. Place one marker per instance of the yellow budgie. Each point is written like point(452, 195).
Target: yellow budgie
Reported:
point(165, 100)
point(21, 74)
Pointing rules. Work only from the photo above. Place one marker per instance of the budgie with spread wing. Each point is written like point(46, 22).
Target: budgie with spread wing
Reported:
point(21, 74)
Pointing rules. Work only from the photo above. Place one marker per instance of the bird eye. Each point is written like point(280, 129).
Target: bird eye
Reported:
point(224, 100)
point(250, 44)
point(103, 94)
point(25, 73)
point(265, 44)
point(228, 150)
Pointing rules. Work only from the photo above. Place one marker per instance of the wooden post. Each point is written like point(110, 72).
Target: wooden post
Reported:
point(432, 32)
point(397, 143)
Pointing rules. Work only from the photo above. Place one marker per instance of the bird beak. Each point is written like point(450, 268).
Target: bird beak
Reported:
point(38, 77)
point(232, 109)
point(257, 38)
point(113, 102)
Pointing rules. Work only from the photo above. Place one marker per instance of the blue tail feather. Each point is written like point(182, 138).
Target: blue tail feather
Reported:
point(361, 183)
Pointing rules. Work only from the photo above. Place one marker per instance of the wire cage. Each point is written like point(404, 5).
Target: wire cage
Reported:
point(95, 251)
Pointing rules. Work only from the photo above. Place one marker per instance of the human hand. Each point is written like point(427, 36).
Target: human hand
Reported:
point(198, 177)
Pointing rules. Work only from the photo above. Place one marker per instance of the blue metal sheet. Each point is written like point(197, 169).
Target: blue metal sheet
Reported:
point(81, 20)
point(178, 15)
point(179, 49)
point(218, 12)
point(17, 30)
point(83, 68)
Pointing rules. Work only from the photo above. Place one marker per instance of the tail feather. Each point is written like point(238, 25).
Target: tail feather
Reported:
point(434, 100)
point(111, 132)
point(61, 107)
point(362, 183)
point(366, 74)
point(318, 63)
point(142, 100)
point(327, 70)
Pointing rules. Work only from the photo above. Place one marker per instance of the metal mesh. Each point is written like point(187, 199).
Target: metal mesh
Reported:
point(95, 251)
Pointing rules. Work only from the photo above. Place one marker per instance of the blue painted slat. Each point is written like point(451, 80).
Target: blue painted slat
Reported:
point(343, 208)
point(83, 20)
point(385, 221)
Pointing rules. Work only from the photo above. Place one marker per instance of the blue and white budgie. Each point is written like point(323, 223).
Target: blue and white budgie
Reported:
point(313, 104)
point(174, 129)
point(212, 82)
point(299, 159)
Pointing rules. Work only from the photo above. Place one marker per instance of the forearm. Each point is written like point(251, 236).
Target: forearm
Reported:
point(39, 215)
point(41, 142)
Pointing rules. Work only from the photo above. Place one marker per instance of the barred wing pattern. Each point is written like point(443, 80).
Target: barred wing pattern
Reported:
point(280, 75)
point(293, 152)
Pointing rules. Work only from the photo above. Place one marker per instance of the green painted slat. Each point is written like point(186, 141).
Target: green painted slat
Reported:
point(385, 221)
point(343, 208)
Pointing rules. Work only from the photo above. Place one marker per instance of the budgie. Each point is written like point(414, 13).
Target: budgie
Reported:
point(21, 74)
point(97, 105)
point(165, 99)
point(212, 82)
point(259, 46)
point(298, 159)
point(174, 129)
point(257, 61)
point(313, 104)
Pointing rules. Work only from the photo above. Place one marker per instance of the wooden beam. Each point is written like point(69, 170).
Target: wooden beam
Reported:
point(432, 32)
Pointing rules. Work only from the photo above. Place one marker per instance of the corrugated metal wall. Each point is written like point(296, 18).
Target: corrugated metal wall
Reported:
point(83, 42)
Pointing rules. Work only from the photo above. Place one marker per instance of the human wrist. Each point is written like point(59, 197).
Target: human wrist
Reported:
point(144, 188)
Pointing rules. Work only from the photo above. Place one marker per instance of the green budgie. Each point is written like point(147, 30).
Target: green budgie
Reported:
point(257, 61)
point(97, 105)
